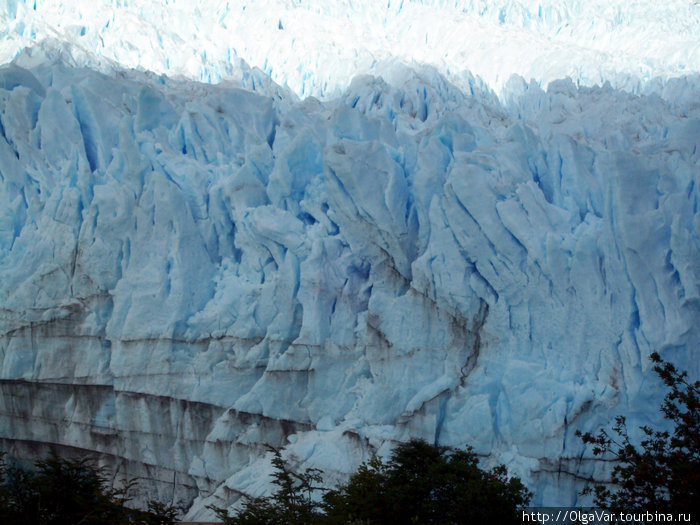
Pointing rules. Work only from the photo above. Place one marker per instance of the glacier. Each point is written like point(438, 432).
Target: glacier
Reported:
point(190, 271)
point(315, 48)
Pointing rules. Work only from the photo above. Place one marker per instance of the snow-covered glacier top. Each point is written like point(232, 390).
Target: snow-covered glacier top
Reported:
point(317, 47)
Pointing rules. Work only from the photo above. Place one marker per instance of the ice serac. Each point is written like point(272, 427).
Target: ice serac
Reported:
point(189, 272)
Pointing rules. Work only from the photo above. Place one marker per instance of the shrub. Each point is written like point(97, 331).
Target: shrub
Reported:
point(420, 483)
point(664, 473)
point(67, 492)
point(291, 503)
point(423, 483)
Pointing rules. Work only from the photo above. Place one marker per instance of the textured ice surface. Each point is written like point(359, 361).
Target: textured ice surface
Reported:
point(189, 271)
point(316, 47)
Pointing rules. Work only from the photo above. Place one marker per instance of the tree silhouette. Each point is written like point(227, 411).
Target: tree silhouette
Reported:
point(663, 473)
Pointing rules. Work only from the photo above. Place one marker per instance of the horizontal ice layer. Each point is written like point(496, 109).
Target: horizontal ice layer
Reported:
point(316, 48)
point(190, 271)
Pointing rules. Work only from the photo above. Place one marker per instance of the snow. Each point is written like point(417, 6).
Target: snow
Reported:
point(189, 271)
point(316, 48)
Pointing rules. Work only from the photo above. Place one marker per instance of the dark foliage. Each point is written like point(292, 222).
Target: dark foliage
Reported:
point(663, 473)
point(69, 492)
point(292, 502)
point(420, 483)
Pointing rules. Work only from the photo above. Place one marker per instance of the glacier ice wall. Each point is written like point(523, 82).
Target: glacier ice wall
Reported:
point(190, 271)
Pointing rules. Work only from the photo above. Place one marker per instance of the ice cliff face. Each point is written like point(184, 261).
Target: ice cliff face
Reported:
point(190, 271)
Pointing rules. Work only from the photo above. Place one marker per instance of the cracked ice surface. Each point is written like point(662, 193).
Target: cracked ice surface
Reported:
point(189, 271)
